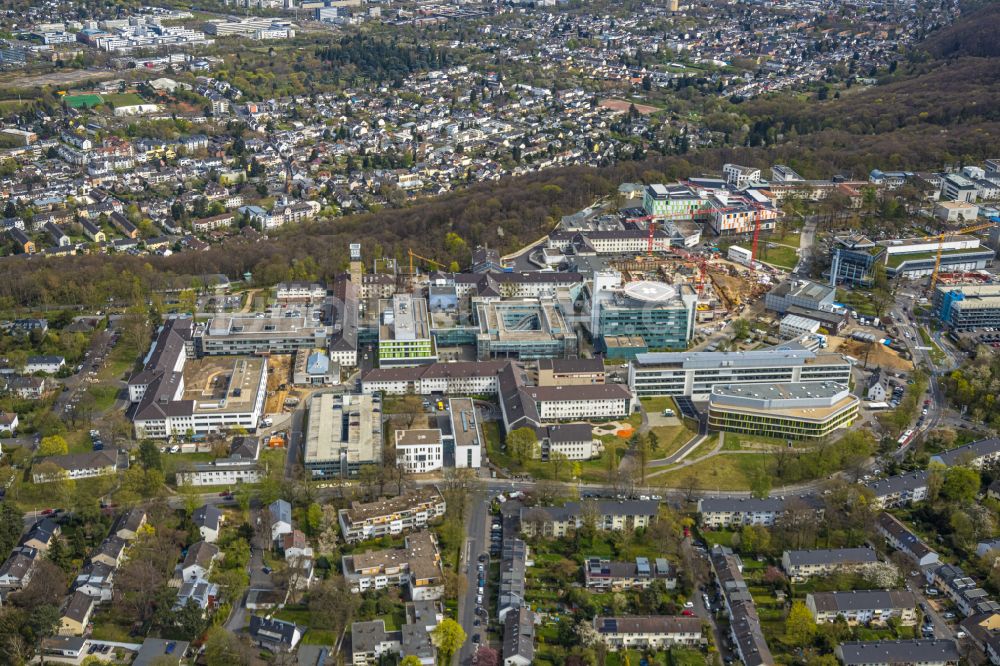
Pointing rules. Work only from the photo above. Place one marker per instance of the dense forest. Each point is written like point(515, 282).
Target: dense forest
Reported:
point(975, 35)
point(380, 60)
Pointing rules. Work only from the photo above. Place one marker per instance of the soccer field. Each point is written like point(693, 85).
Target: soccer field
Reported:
point(83, 101)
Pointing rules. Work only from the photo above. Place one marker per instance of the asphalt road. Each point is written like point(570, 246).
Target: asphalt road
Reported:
point(477, 526)
point(941, 627)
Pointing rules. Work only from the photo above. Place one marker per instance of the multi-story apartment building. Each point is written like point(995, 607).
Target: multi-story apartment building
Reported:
point(901, 490)
point(606, 515)
point(416, 567)
point(863, 607)
point(343, 432)
point(465, 435)
point(648, 632)
point(716, 512)
point(921, 652)
point(395, 515)
point(902, 539)
point(802, 410)
point(420, 450)
point(803, 564)
point(601, 573)
point(76, 466)
point(979, 454)
point(695, 374)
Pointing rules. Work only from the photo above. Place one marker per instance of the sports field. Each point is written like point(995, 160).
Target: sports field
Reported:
point(83, 101)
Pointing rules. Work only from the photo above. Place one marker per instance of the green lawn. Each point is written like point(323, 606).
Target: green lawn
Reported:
point(793, 238)
point(856, 301)
point(590, 470)
point(779, 255)
point(123, 99)
point(726, 471)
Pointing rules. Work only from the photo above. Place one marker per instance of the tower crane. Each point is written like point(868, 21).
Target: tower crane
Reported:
point(994, 221)
point(413, 255)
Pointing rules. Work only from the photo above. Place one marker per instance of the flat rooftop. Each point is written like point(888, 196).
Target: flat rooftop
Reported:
point(345, 427)
point(465, 425)
point(404, 318)
point(798, 400)
point(521, 321)
point(251, 325)
point(223, 383)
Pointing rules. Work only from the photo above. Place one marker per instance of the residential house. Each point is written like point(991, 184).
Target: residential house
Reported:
point(601, 573)
point(802, 564)
point(607, 515)
point(926, 652)
point(983, 629)
point(371, 520)
point(280, 513)
point(198, 561)
point(75, 466)
point(208, 520)
point(519, 637)
point(416, 567)
point(159, 652)
point(900, 490)
point(863, 606)
point(41, 535)
point(648, 632)
point(129, 524)
point(983, 453)
point(71, 647)
point(295, 546)
point(27, 388)
point(76, 614)
point(124, 226)
point(17, 569)
point(902, 539)
point(745, 629)
point(724, 512)
point(23, 242)
point(200, 592)
point(274, 635)
point(968, 597)
point(96, 580)
point(8, 423)
point(93, 231)
point(514, 563)
point(111, 552)
point(48, 364)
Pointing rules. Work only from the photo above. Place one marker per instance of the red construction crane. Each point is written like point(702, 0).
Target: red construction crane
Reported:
point(758, 214)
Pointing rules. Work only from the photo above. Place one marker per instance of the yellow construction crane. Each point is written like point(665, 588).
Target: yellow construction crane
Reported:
point(940, 238)
point(430, 261)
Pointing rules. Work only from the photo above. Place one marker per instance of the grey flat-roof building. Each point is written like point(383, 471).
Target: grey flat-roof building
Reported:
point(343, 433)
point(250, 334)
point(695, 374)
